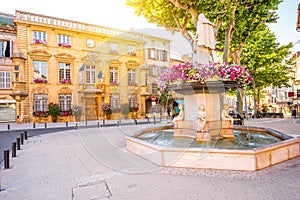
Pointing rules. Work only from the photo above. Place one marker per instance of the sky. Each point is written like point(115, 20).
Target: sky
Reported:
point(115, 14)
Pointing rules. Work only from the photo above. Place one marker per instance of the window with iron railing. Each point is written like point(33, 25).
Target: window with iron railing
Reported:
point(40, 102)
point(64, 72)
point(39, 37)
point(65, 102)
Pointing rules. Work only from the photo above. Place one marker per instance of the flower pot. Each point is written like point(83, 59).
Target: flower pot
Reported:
point(54, 118)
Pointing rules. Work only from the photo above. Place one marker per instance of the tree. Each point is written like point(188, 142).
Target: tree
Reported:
point(234, 20)
point(266, 60)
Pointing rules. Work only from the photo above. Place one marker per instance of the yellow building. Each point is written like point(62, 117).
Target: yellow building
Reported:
point(7, 39)
point(72, 63)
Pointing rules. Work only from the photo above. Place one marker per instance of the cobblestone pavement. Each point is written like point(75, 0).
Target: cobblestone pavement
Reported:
point(93, 163)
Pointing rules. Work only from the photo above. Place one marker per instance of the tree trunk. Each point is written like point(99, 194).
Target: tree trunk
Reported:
point(228, 36)
point(254, 95)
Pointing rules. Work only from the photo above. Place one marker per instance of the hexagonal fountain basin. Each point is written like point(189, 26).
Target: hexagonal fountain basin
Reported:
point(251, 149)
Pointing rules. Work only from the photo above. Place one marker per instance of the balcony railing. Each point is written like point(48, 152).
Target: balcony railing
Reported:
point(18, 86)
point(69, 24)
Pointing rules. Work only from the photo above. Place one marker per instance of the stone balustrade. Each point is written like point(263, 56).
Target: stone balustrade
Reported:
point(69, 24)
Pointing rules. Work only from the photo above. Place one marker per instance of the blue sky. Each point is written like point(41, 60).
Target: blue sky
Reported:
point(285, 28)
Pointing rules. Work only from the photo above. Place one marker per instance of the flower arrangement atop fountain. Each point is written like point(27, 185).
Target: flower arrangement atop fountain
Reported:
point(188, 72)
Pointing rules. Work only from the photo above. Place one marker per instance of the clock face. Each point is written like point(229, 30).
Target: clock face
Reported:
point(90, 43)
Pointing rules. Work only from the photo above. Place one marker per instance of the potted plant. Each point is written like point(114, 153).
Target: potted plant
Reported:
point(107, 110)
point(77, 112)
point(125, 110)
point(53, 111)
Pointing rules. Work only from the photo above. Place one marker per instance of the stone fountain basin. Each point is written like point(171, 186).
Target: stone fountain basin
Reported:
point(213, 158)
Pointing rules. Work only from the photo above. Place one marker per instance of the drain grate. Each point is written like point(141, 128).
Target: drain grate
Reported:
point(91, 191)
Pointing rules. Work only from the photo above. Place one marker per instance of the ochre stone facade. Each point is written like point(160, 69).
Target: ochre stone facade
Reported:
point(90, 66)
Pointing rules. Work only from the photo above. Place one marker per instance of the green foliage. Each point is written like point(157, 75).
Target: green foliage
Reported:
point(53, 110)
point(234, 20)
point(125, 109)
point(266, 59)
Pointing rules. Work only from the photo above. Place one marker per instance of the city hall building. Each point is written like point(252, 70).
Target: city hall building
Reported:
point(71, 63)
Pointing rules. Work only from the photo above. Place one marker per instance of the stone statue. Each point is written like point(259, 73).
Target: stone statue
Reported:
point(205, 40)
point(180, 116)
point(225, 114)
point(201, 119)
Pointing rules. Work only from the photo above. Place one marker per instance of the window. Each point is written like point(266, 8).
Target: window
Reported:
point(64, 73)
point(151, 53)
point(131, 77)
point(114, 75)
point(154, 88)
point(16, 74)
point(115, 101)
point(114, 48)
point(39, 69)
point(5, 48)
point(5, 80)
point(39, 37)
point(40, 102)
point(152, 70)
point(163, 55)
point(131, 50)
point(65, 102)
point(90, 73)
point(64, 40)
point(132, 101)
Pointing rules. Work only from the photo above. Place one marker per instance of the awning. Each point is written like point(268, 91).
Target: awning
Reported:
point(179, 101)
point(7, 101)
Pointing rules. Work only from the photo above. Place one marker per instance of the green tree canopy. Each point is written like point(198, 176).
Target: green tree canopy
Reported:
point(234, 20)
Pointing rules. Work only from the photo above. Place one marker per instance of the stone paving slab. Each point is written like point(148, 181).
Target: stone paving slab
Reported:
point(63, 165)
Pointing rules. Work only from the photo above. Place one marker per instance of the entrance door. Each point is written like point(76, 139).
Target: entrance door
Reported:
point(91, 108)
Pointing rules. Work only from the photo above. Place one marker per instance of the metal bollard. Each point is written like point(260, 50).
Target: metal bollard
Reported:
point(18, 144)
point(76, 126)
point(98, 124)
point(67, 124)
point(45, 124)
point(135, 121)
point(33, 124)
point(148, 119)
point(22, 138)
point(6, 159)
point(118, 123)
point(13, 149)
point(86, 122)
point(103, 121)
point(8, 126)
point(25, 135)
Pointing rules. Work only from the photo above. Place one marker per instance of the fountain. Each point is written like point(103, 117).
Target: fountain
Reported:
point(203, 134)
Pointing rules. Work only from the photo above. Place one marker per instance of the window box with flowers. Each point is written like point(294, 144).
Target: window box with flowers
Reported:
point(40, 114)
point(114, 83)
point(65, 81)
point(132, 84)
point(132, 53)
point(40, 80)
point(107, 110)
point(64, 45)
point(65, 113)
point(36, 41)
